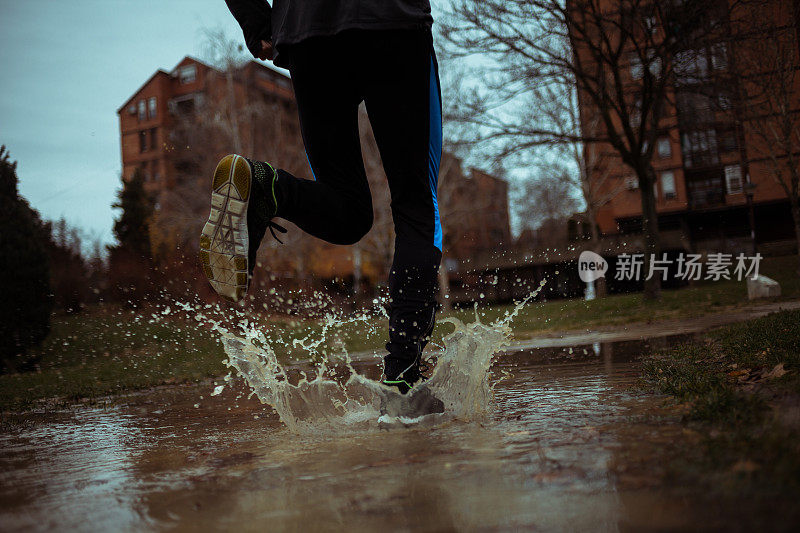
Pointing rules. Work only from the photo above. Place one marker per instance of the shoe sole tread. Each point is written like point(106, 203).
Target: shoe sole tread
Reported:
point(224, 240)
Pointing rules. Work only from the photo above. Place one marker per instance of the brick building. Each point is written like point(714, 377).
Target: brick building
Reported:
point(709, 159)
point(474, 209)
point(149, 118)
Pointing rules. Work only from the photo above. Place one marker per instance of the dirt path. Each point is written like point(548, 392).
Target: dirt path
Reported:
point(627, 332)
point(641, 330)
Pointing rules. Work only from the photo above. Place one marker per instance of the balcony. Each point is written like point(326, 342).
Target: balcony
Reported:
point(705, 199)
point(706, 190)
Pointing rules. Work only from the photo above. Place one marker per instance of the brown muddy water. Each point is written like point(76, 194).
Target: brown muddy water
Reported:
point(571, 443)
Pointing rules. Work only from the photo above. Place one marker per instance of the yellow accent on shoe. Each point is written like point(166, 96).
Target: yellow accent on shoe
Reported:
point(224, 239)
point(222, 172)
point(242, 177)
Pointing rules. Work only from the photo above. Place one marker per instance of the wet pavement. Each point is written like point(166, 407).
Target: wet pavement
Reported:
point(571, 444)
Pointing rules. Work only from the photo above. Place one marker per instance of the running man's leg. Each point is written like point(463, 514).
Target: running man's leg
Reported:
point(337, 205)
point(404, 106)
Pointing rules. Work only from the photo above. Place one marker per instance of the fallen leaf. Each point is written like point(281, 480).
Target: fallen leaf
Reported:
point(776, 372)
point(746, 466)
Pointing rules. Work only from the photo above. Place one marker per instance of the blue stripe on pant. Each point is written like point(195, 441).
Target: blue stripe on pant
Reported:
point(435, 147)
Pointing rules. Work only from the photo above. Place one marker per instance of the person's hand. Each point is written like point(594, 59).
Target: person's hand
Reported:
point(266, 50)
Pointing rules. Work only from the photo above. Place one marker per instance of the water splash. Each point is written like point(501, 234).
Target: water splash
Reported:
point(329, 402)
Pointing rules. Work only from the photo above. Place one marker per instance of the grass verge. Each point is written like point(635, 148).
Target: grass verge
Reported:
point(689, 302)
point(108, 350)
point(741, 387)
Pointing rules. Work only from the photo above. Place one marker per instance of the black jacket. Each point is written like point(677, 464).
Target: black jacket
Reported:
point(289, 22)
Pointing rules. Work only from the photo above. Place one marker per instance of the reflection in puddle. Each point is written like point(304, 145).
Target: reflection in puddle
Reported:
point(87, 456)
point(553, 455)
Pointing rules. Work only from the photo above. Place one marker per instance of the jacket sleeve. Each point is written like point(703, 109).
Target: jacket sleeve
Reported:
point(255, 18)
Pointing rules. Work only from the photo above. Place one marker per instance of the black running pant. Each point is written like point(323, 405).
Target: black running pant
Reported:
point(395, 74)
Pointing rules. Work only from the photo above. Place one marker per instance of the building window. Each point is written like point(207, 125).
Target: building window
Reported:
point(651, 24)
point(667, 180)
point(636, 113)
point(664, 148)
point(700, 148)
point(719, 56)
point(184, 105)
point(153, 139)
point(733, 179)
point(695, 107)
point(143, 141)
point(636, 67)
point(691, 66)
point(631, 183)
point(653, 64)
point(187, 74)
point(724, 100)
point(142, 110)
point(151, 107)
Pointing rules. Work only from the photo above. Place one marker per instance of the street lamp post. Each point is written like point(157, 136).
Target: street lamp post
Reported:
point(748, 192)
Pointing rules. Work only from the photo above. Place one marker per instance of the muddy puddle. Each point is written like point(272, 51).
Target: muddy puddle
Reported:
point(571, 444)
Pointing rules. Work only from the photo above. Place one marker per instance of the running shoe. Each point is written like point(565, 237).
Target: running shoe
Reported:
point(401, 374)
point(243, 203)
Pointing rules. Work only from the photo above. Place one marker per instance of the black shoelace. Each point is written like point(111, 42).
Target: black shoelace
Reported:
point(272, 227)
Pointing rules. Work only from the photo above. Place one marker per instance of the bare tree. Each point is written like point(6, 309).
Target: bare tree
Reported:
point(593, 177)
point(460, 206)
point(590, 163)
point(766, 61)
point(548, 195)
point(617, 55)
point(227, 55)
point(232, 114)
point(200, 137)
point(459, 202)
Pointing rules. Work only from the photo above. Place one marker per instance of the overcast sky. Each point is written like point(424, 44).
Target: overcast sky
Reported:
point(65, 68)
